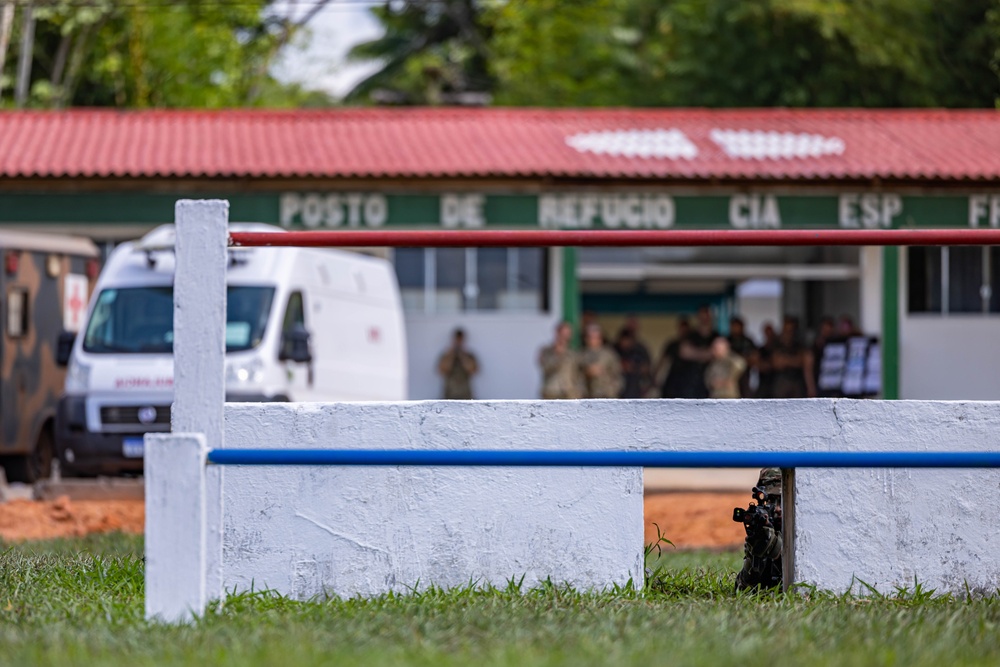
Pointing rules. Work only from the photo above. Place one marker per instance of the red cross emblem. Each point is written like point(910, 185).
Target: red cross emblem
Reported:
point(76, 303)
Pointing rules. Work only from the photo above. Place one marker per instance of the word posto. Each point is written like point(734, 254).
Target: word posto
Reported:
point(334, 210)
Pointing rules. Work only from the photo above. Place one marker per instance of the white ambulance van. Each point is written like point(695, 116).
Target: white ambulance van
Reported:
point(301, 325)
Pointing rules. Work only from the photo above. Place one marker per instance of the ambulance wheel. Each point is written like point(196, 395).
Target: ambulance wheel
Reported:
point(35, 465)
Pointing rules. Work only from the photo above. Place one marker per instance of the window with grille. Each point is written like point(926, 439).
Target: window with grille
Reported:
point(450, 280)
point(954, 279)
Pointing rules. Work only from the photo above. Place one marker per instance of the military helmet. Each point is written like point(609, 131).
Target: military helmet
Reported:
point(770, 481)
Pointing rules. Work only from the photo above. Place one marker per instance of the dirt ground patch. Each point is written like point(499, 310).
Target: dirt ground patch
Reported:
point(689, 520)
point(696, 520)
point(62, 517)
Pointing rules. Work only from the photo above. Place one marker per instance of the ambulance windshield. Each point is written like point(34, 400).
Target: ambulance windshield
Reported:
point(140, 320)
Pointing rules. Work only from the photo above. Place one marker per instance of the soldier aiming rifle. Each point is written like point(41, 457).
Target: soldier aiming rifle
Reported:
point(762, 521)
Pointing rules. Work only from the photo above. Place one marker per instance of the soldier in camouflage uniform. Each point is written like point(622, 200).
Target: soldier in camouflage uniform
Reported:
point(602, 370)
point(722, 376)
point(457, 366)
point(762, 550)
point(560, 366)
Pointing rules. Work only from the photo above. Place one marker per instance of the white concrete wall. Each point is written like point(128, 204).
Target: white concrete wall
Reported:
point(891, 527)
point(953, 357)
point(308, 531)
point(506, 345)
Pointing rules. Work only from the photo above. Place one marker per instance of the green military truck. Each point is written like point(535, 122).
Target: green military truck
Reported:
point(45, 285)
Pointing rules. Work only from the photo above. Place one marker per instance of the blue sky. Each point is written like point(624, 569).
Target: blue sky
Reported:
point(316, 59)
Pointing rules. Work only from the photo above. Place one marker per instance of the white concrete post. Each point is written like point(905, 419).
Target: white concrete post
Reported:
point(871, 285)
point(175, 526)
point(200, 349)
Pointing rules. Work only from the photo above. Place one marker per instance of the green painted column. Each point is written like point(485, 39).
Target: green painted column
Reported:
point(570, 289)
point(890, 322)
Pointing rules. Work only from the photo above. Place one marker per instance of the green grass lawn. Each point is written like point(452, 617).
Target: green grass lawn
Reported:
point(80, 602)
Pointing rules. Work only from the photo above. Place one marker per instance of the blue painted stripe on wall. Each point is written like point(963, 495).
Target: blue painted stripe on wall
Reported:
point(398, 457)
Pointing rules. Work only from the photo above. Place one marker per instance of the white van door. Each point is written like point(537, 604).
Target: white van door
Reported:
point(295, 350)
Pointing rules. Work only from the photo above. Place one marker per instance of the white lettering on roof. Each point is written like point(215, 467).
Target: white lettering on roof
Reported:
point(661, 143)
point(760, 145)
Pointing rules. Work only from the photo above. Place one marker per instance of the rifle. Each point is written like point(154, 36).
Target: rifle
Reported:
point(762, 522)
point(759, 515)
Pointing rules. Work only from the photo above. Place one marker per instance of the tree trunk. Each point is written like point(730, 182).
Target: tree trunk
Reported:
point(6, 25)
point(77, 56)
point(27, 49)
point(59, 66)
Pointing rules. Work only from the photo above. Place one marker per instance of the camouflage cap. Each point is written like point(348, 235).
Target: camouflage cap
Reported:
point(770, 481)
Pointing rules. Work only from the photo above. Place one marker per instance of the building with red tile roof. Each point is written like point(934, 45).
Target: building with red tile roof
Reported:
point(936, 312)
point(675, 145)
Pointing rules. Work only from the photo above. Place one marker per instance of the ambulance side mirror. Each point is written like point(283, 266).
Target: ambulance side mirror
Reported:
point(64, 347)
point(295, 345)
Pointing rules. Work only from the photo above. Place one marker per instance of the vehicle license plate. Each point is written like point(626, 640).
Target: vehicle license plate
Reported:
point(132, 448)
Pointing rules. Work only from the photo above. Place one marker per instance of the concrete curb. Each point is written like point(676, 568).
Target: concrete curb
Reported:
point(703, 480)
point(102, 488)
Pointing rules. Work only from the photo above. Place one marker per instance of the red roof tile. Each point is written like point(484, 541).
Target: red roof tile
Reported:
point(672, 144)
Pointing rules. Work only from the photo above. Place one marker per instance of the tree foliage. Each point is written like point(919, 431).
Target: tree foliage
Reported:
point(184, 53)
point(432, 51)
point(553, 53)
point(716, 53)
point(823, 53)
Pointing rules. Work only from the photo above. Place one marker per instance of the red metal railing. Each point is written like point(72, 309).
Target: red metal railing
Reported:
point(540, 238)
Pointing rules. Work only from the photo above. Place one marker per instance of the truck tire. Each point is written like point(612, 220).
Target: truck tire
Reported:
point(35, 465)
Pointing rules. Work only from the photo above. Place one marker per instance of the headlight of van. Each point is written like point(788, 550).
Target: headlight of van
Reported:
point(77, 377)
point(246, 372)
